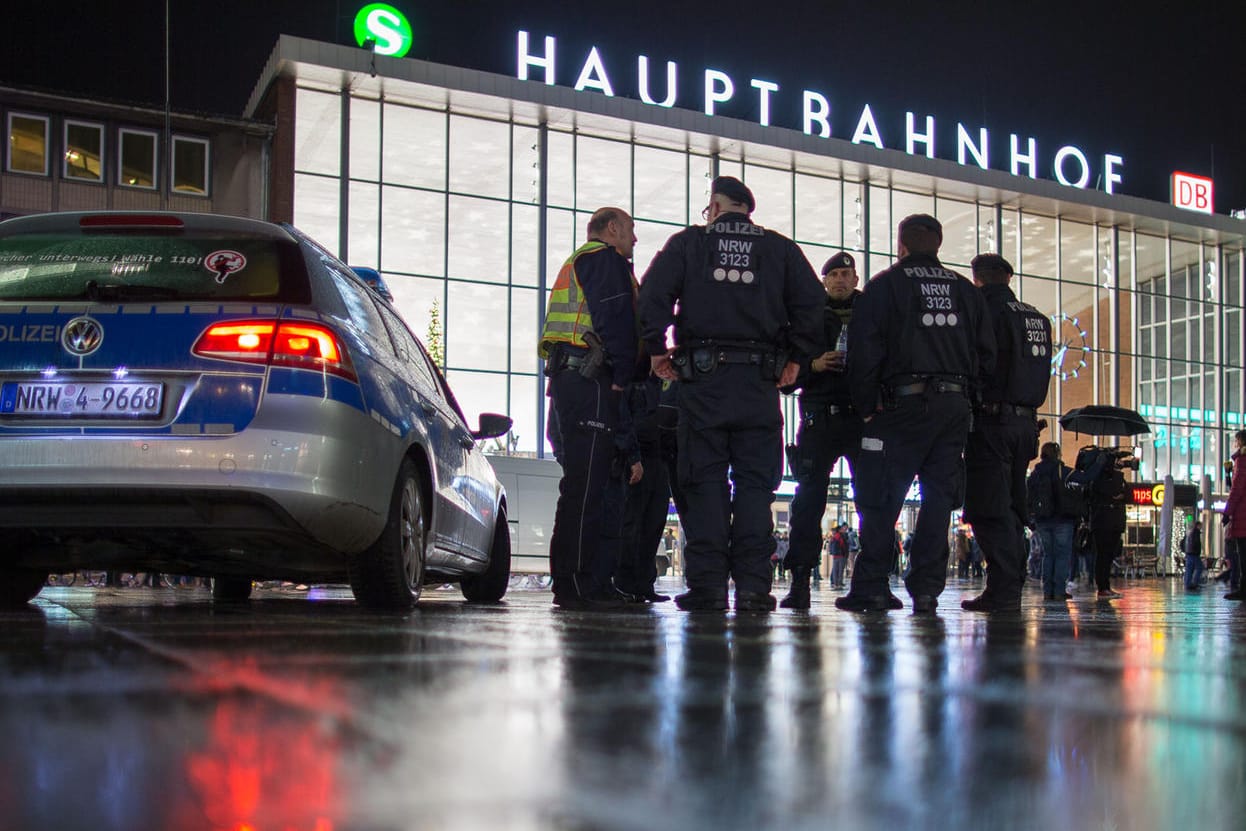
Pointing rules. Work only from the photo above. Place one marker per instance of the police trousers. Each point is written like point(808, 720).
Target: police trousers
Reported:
point(583, 543)
point(997, 456)
point(730, 425)
point(822, 440)
point(644, 519)
point(923, 436)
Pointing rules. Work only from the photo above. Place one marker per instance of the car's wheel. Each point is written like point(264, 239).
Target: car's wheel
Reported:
point(490, 585)
point(390, 573)
point(231, 589)
point(19, 586)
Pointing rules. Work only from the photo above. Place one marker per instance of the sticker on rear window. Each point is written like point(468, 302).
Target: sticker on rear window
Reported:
point(224, 263)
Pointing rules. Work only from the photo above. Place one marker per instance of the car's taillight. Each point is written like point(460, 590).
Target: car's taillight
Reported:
point(301, 345)
point(131, 221)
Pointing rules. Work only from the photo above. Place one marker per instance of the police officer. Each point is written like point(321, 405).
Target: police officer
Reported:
point(590, 346)
point(919, 339)
point(829, 428)
point(1004, 439)
point(645, 499)
point(750, 312)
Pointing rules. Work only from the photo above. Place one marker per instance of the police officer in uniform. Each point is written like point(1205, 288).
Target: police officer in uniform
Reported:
point(750, 312)
point(920, 337)
point(1005, 434)
point(590, 346)
point(829, 427)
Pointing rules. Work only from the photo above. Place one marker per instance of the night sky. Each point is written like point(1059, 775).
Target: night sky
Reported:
point(1164, 87)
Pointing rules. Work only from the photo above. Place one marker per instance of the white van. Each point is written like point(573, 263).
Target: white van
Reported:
point(531, 496)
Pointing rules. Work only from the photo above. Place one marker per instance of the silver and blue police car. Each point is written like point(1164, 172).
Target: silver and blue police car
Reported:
point(218, 396)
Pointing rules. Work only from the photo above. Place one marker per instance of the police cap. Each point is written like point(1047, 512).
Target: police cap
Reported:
point(841, 260)
point(991, 262)
point(923, 221)
point(735, 190)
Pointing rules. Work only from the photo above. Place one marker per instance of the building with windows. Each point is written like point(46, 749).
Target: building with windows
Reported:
point(467, 190)
point(71, 154)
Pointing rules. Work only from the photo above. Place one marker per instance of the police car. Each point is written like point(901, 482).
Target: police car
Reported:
point(218, 396)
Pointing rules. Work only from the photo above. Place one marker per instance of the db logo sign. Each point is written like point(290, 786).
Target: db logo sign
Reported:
point(1191, 192)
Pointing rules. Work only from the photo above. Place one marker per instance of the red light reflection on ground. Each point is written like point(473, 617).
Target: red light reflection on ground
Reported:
point(264, 768)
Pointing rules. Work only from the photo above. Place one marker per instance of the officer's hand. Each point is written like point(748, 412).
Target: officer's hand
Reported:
point(663, 368)
point(616, 388)
point(637, 471)
point(788, 376)
point(823, 362)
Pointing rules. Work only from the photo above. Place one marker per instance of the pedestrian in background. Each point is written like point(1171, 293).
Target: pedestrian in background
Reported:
point(1235, 517)
point(1192, 546)
point(1053, 524)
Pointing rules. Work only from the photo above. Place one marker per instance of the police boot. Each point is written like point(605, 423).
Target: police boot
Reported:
point(798, 595)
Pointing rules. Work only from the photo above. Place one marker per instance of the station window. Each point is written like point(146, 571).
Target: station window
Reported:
point(84, 151)
point(136, 159)
point(28, 144)
point(190, 165)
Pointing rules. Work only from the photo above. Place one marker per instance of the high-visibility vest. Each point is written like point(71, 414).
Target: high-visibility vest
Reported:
point(568, 318)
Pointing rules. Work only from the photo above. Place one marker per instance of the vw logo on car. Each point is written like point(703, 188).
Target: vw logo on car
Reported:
point(82, 336)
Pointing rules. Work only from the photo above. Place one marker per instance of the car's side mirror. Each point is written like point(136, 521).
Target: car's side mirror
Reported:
point(492, 425)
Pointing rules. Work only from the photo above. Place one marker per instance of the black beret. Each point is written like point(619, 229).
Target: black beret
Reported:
point(734, 189)
point(991, 262)
point(841, 260)
point(922, 221)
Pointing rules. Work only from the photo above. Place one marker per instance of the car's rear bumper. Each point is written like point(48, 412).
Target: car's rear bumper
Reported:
point(315, 472)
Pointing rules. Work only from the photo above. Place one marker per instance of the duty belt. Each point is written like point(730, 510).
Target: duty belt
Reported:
point(933, 385)
point(565, 359)
point(814, 408)
point(1000, 408)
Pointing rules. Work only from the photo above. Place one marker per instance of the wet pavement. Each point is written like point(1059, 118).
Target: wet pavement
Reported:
point(155, 709)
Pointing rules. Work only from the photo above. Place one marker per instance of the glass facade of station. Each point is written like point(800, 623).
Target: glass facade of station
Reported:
point(468, 215)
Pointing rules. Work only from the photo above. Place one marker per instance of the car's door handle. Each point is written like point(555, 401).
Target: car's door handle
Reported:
point(427, 406)
point(465, 438)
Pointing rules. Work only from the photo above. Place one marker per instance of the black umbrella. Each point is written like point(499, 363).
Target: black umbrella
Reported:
point(1104, 420)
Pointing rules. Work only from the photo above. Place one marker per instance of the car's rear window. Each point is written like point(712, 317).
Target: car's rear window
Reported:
point(138, 266)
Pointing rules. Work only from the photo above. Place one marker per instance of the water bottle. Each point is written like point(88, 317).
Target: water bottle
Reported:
point(841, 345)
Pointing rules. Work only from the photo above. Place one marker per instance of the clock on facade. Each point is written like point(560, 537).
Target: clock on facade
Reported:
point(1072, 347)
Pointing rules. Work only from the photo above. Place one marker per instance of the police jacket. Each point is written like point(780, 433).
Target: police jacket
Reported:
point(828, 387)
point(916, 320)
point(734, 281)
point(605, 277)
point(1022, 373)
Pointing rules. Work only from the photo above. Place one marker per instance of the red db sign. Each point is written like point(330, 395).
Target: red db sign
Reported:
point(1191, 192)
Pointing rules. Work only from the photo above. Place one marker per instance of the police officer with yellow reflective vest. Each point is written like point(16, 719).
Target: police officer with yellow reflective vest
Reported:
point(750, 310)
point(590, 347)
point(920, 338)
point(1005, 434)
point(830, 428)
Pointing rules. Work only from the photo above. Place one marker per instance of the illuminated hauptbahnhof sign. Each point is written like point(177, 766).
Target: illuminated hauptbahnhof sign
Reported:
point(973, 146)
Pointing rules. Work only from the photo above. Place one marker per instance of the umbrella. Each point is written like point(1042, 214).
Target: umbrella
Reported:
point(1104, 420)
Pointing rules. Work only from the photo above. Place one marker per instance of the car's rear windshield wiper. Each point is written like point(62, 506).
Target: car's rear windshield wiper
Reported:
point(114, 291)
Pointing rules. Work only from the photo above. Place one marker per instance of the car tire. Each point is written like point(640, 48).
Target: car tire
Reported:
point(490, 585)
point(19, 586)
point(231, 589)
point(389, 574)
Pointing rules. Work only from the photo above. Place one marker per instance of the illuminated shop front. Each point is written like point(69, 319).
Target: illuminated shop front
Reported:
point(468, 189)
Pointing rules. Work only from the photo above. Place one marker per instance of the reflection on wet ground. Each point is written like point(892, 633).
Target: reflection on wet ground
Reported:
point(142, 708)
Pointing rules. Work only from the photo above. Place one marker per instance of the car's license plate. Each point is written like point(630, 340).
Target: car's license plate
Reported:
point(92, 400)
